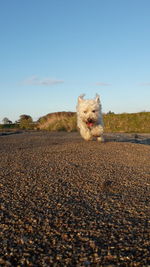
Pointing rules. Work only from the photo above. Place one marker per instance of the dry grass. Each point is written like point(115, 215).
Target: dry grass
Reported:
point(59, 121)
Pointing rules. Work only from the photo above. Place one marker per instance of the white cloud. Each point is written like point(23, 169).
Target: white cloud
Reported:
point(145, 84)
point(34, 80)
point(103, 84)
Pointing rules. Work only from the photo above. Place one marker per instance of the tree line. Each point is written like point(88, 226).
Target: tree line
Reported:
point(24, 122)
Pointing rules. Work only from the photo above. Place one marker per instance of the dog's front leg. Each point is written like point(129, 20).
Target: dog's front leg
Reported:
point(86, 133)
point(97, 131)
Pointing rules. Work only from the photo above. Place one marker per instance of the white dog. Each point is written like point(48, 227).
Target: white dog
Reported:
point(89, 118)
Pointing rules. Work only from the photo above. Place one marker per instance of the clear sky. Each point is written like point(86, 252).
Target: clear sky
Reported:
point(51, 51)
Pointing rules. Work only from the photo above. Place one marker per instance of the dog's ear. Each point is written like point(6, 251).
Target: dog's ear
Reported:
point(80, 98)
point(97, 98)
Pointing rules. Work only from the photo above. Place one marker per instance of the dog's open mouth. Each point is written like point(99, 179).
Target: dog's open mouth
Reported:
point(90, 123)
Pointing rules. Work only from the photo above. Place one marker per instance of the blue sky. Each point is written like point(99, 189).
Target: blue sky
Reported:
point(51, 51)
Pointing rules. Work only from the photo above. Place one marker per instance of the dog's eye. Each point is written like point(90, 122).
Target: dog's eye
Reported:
point(94, 111)
point(85, 111)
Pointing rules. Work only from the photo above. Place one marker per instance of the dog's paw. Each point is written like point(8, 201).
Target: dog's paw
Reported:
point(100, 139)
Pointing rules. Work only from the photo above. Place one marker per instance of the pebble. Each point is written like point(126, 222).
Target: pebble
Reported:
point(68, 202)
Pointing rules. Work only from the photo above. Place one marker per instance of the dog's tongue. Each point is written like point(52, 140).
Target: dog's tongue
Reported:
point(90, 124)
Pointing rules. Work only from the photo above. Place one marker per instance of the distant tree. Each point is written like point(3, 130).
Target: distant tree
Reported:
point(110, 112)
point(25, 117)
point(6, 121)
point(26, 121)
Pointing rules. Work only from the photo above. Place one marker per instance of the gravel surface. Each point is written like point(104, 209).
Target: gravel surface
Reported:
point(68, 202)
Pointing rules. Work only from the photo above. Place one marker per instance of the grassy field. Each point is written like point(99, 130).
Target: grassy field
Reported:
point(129, 123)
point(67, 121)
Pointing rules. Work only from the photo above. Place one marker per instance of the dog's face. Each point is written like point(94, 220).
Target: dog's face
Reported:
point(88, 110)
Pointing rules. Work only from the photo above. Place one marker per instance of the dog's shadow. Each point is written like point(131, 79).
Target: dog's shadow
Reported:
point(130, 138)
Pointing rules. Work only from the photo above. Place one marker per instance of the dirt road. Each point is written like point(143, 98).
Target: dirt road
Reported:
point(68, 202)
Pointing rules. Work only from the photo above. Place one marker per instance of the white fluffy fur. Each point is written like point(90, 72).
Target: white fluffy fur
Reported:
point(89, 118)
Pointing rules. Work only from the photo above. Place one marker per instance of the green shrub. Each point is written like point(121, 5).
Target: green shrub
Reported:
point(26, 122)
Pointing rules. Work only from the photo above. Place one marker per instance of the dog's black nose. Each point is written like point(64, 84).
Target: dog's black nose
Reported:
point(90, 120)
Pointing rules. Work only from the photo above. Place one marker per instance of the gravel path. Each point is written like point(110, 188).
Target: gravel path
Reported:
point(68, 202)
